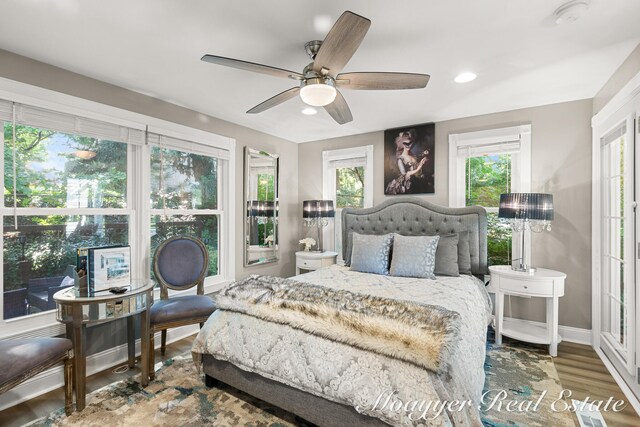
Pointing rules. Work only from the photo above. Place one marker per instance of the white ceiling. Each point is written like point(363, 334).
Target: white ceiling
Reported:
point(521, 56)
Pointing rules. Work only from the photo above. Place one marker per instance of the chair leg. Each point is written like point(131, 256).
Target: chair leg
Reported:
point(68, 386)
point(152, 356)
point(163, 342)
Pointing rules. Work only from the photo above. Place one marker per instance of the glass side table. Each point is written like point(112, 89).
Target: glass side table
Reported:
point(76, 312)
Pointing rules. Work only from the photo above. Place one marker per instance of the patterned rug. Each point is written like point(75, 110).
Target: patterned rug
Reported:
point(527, 376)
point(178, 397)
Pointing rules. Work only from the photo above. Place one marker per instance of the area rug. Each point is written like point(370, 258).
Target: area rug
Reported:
point(521, 386)
point(178, 397)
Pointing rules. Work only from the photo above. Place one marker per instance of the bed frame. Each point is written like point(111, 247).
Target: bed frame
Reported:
point(403, 215)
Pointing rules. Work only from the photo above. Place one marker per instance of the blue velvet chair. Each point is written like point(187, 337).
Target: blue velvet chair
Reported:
point(179, 263)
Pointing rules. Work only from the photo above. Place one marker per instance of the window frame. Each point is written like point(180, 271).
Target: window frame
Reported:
point(138, 189)
point(330, 159)
point(520, 167)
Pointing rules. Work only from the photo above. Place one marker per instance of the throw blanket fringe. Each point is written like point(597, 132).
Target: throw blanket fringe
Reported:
point(421, 334)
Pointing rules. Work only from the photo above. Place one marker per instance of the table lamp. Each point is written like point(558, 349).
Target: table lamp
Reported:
point(317, 213)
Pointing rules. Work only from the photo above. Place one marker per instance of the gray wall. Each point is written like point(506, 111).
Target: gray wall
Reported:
point(629, 68)
point(561, 164)
point(19, 68)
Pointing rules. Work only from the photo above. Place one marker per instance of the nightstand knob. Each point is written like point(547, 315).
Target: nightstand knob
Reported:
point(526, 287)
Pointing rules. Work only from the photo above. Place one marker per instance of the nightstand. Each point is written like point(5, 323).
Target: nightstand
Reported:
point(314, 260)
point(543, 283)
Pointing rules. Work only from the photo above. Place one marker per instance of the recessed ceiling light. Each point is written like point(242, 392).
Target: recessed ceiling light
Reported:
point(309, 111)
point(465, 77)
point(322, 23)
point(570, 11)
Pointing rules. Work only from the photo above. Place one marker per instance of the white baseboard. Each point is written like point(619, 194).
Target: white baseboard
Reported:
point(568, 333)
point(53, 378)
point(631, 398)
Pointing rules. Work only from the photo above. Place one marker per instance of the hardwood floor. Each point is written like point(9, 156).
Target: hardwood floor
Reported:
point(579, 368)
point(581, 371)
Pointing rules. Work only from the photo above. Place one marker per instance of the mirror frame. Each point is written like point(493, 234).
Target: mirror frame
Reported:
point(249, 153)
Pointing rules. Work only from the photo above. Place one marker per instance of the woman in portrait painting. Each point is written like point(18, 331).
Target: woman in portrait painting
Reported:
point(409, 173)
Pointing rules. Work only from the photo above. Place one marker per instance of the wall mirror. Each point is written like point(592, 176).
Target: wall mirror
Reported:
point(261, 202)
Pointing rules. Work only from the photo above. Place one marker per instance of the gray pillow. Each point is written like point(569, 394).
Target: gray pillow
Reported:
point(464, 253)
point(347, 258)
point(370, 253)
point(414, 256)
point(447, 256)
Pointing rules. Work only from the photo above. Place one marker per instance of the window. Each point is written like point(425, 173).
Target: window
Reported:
point(483, 165)
point(348, 181)
point(72, 181)
point(184, 198)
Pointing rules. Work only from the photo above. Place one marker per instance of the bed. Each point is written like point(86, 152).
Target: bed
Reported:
point(328, 380)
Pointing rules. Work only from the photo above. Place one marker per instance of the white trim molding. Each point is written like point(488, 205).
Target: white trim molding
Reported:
point(489, 137)
point(345, 157)
point(515, 140)
point(328, 156)
point(623, 108)
point(631, 398)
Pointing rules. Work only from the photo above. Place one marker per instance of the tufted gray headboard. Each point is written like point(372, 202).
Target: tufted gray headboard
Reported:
point(410, 216)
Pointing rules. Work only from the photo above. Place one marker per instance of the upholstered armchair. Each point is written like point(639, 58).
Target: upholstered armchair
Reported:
point(15, 303)
point(25, 358)
point(179, 263)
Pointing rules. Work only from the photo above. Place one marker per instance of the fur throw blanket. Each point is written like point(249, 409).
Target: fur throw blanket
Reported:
point(418, 333)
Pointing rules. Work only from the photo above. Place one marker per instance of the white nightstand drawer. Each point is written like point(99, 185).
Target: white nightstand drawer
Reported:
point(309, 263)
point(532, 288)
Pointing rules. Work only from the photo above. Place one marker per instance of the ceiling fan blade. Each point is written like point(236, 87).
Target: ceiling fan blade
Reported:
point(341, 43)
point(275, 100)
point(339, 110)
point(251, 66)
point(382, 81)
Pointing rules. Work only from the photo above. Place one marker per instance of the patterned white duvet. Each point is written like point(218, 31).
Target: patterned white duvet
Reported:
point(357, 377)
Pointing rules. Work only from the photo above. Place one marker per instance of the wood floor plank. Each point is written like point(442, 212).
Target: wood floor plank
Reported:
point(580, 370)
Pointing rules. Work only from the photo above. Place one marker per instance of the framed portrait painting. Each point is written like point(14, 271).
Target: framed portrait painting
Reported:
point(409, 160)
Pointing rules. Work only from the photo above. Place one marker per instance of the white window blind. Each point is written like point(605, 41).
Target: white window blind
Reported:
point(348, 163)
point(476, 150)
point(69, 123)
point(165, 141)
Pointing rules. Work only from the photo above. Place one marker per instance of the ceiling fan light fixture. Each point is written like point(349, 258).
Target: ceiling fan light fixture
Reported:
point(318, 92)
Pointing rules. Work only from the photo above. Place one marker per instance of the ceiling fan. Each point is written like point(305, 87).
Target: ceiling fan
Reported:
point(320, 80)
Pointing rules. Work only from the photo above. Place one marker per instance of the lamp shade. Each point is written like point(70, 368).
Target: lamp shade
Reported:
point(530, 206)
point(318, 209)
point(257, 208)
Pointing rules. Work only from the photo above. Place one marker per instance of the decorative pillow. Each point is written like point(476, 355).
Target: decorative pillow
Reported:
point(67, 281)
point(464, 253)
point(370, 253)
point(447, 256)
point(414, 256)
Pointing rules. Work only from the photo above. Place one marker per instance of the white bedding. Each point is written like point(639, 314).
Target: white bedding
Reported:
point(357, 377)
